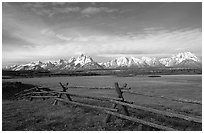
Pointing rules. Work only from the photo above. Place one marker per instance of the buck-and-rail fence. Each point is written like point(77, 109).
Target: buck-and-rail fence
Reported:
point(44, 92)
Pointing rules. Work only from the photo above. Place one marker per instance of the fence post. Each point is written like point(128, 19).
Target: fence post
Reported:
point(107, 118)
point(119, 93)
point(36, 88)
point(64, 90)
point(41, 93)
point(59, 96)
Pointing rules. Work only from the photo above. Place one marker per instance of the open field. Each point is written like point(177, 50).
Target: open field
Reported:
point(180, 86)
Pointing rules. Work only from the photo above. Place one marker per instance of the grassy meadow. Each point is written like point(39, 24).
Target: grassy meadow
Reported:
point(41, 115)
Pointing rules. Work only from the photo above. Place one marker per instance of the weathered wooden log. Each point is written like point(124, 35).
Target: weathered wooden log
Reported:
point(63, 87)
point(86, 87)
point(58, 96)
point(85, 105)
point(34, 88)
point(168, 98)
point(140, 121)
point(64, 90)
point(44, 88)
point(119, 92)
point(108, 116)
point(26, 94)
point(48, 92)
point(42, 96)
point(169, 114)
point(44, 92)
point(90, 97)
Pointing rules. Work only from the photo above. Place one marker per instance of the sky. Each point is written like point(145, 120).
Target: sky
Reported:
point(52, 31)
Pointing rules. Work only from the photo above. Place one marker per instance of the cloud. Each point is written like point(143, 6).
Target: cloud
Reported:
point(35, 5)
point(73, 37)
point(111, 45)
point(95, 10)
point(51, 9)
point(155, 43)
point(62, 37)
point(11, 42)
point(158, 43)
point(59, 3)
point(67, 10)
point(48, 32)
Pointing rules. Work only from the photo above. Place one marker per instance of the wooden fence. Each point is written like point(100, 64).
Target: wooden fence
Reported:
point(42, 92)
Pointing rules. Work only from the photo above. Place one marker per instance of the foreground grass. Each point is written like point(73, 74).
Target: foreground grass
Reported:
point(37, 115)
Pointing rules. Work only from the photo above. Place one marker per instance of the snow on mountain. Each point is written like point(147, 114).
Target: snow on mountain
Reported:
point(71, 60)
point(118, 62)
point(186, 59)
point(177, 59)
point(153, 62)
point(30, 66)
point(47, 65)
point(82, 60)
point(136, 62)
point(132, 61)
point(122, 61)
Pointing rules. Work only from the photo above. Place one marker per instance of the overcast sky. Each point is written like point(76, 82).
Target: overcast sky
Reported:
point(49, 31)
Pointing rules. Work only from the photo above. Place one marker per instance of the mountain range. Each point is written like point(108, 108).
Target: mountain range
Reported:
point(83, 62)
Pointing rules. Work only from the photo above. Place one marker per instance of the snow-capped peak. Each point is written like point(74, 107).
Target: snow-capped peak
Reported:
point(151, 61)
point(83, 59)
point(180, 57)
point(184, 56)
point(148, 60)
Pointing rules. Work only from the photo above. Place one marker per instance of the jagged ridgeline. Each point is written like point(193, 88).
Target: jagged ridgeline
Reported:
point(181, 60)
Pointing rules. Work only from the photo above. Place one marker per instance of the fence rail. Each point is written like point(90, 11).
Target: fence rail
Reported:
point(90, 97)
point(165, 113)
point(42, 92)
point(85, 105)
